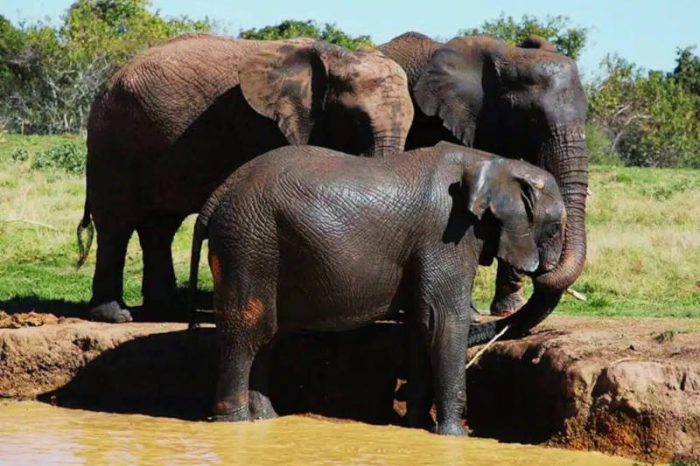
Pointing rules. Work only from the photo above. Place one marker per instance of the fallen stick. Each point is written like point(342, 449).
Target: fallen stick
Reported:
point(486, 346)
point(30, 222)
point(576, 294)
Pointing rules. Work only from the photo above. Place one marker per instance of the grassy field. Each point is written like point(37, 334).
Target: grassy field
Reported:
point(643, 249)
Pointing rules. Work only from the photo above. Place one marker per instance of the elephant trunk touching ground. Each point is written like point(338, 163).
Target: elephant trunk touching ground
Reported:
point(564, 155)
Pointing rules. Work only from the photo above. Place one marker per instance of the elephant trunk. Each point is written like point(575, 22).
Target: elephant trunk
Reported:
point(564, 155)
point(386, 143)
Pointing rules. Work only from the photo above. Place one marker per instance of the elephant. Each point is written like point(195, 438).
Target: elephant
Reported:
point(306, 238)
point(172, 123)
point(518, 102)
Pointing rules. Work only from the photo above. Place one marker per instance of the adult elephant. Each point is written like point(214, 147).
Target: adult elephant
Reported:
point(519, 102)
point(176, 120)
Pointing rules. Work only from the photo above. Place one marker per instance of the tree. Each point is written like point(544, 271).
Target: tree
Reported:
point(650, 119)
point(291, 29)
point(567, 40)
point(687, 71)
point(49, 76)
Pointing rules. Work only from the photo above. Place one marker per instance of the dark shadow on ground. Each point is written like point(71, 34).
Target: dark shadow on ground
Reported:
point(79, 309)
point(350, 375)
point(58, 307)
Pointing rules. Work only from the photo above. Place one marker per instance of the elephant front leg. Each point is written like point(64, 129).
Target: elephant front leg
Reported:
point(449, 376)
point(106, 304)
point(509, 290)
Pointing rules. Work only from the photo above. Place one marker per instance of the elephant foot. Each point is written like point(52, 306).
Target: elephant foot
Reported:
point(261, 407)
point(236, 415)
point(110, 312)
point(451, 428)
point(507, 305)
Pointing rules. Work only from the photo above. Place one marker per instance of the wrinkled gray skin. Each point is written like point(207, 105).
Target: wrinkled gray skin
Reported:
point(519, 102)
point(304, 238)
point(176, 120)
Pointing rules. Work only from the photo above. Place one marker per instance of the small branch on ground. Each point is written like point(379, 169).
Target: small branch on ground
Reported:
point(30, 222)
point(486, 346)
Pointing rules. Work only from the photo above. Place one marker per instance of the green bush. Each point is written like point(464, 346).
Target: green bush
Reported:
point(599, 147)
point(68, 156)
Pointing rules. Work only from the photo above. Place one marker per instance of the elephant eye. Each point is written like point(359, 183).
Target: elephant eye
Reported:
point(552, 230)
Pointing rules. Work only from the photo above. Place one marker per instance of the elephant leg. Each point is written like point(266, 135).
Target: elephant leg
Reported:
point(449, 376)
point(244, 327)
point(509, 290)
point(419, 394)
point(159, 287)
point(260, 404)
point(108, 281)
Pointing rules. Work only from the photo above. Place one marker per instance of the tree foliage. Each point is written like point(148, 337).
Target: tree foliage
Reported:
point(49, 75)
point(556, 29)
point(291, 29)
point(650, 119)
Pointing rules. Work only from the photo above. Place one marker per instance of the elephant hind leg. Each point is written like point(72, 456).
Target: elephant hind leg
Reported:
point(108, 281)
point(260, 403)
point(245, 326)
point(509, 297)
point(159, 287)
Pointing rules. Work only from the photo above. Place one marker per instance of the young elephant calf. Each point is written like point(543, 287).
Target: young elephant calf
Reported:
point(305, 238)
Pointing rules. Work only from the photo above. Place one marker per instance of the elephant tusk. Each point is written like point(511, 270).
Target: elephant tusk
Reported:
point(576, 294)
point(486, 346)
point(589, 193)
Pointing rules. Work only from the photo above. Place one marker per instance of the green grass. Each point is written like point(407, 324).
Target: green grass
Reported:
point(643, 230)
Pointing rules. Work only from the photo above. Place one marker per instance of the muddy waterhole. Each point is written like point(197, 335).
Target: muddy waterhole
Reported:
point(33, 433)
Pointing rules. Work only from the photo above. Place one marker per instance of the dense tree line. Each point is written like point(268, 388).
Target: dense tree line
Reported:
point(49, 75)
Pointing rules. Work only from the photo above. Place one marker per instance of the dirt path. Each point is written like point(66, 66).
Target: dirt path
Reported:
point(627, 387)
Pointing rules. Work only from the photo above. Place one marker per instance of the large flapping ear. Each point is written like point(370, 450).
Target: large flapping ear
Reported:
point(510, 195)
point(450, 87)
point(286, 82)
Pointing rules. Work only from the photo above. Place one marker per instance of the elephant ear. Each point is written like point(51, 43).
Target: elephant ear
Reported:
point(450, 87)
point(286, 83)
point(511, 199)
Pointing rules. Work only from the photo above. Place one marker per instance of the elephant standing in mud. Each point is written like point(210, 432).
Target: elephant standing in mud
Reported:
point(519, 102)
point(305, 238)
point(176, 120)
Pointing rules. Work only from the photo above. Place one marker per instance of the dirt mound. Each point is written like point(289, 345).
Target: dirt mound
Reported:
point(627, 387)
point(31, 319)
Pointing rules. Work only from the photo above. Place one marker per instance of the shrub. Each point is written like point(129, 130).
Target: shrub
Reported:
point(67, 156)
point(599, 146)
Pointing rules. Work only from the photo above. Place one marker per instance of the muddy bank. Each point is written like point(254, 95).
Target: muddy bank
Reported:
point(619, 386)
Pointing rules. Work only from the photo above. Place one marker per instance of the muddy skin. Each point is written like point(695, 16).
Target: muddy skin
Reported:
point(304, 238)
point(161, 133)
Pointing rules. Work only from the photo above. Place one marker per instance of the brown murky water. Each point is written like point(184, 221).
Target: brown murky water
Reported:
point(32, 433)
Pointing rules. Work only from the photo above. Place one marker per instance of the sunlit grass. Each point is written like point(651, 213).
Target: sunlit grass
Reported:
point(643, 249)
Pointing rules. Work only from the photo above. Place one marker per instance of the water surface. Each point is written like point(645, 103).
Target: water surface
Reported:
point(33, 433)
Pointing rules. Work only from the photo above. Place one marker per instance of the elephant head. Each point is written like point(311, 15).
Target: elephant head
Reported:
point(520, 211)
point(513, 101)
point(318, 93)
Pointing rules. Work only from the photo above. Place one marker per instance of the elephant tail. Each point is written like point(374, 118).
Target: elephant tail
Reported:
point(85, 233)
point(200, 233)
